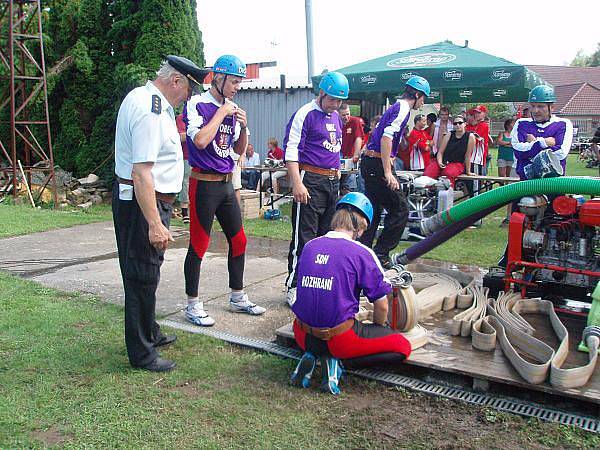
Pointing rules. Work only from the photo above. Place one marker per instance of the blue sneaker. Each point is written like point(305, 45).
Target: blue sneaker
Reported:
point(332, 372)
point(304, 370)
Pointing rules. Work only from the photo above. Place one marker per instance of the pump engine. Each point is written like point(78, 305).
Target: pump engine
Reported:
point(554, 251)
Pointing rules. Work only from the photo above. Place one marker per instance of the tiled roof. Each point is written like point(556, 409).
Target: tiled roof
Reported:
point(563, 75)
point(585, 102)
point(577, 89)
point(564, 94)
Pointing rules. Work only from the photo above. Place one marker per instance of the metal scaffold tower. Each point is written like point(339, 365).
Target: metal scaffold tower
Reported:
point(25, 141)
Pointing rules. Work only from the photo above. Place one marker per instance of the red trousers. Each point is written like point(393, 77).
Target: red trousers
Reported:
point(452, 170)
point(360, 340)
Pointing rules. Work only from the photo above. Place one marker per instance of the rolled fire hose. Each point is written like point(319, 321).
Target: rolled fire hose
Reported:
point(505, 194)
point(505, 323)
point(437, 292)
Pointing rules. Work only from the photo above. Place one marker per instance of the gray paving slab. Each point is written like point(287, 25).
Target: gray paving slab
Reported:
point(84, 259)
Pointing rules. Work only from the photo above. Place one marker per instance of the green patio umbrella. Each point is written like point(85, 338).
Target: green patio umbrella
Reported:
point(456, 75)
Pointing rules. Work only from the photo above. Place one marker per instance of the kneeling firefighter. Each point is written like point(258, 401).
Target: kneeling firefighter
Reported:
point(333, 270)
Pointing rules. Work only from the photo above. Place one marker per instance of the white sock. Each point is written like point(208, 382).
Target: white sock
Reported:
point(192, 302)
point(237, 296)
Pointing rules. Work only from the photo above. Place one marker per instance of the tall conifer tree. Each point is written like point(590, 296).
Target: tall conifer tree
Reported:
point(112, 46)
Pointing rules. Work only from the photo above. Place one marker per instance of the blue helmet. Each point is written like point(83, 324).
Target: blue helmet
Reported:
point(335, 84)
point(360, 202)
point(420, 84)
point(542, 94)
point(230, 65)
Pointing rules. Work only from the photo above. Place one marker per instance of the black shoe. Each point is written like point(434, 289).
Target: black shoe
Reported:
point(158, 365)
point(165, 340)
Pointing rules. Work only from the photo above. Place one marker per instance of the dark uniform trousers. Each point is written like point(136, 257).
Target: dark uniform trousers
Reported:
point(312, 219)
point(381, 196)
point(140, 268)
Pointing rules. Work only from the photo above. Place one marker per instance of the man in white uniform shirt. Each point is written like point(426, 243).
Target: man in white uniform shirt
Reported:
point(149, 173)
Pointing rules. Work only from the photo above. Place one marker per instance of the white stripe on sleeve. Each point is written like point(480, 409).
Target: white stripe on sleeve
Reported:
point(296, 129)
point(514, 138)
point(565, 147)
point(394, 127)
point(195, 120)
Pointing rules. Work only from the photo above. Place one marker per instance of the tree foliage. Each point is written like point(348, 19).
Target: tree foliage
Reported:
point(583, 60)
point(112, 46)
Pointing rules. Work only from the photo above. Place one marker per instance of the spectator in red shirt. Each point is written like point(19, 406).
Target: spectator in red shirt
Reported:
point(481, 128)
point(352, 142)
point(183, 195)
point(353, 133)
point(275, 153)
point(419, 144)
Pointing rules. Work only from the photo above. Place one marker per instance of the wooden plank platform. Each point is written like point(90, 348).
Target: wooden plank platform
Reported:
point(455, 355)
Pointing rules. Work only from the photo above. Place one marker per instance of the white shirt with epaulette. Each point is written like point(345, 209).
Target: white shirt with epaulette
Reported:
point(147, 132)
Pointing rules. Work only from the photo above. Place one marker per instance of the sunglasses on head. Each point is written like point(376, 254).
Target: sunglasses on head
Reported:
point(458, 123)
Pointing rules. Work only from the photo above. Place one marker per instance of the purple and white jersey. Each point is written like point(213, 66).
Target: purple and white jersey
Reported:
point(332, 271)
point(392, 125)
point(216, 157)
point(314, 137)
point(557, 127)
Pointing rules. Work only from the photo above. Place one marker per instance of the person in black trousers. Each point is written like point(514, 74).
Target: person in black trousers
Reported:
point(149, 173)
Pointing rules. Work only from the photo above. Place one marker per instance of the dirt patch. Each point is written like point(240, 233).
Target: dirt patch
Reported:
point(51, 436)
point(402, 418)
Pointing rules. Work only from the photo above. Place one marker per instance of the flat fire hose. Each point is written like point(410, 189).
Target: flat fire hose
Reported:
point(505, 323)
point(461, 323)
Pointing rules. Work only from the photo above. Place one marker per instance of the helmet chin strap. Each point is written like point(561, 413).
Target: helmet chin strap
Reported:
point(220, 90)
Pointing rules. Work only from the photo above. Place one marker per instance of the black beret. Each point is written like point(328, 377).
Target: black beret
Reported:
point(188, 68)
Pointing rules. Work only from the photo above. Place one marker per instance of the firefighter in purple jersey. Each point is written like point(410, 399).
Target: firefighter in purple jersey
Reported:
point(377, 169)
point(216, 127)
point(312, 144)
point(541, 132)
point(541, 143)
point(333, 270)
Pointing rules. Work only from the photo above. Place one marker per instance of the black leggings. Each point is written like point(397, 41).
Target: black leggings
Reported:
point(207, 199)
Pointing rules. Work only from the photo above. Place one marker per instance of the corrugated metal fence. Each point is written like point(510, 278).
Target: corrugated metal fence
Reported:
point(269, 111)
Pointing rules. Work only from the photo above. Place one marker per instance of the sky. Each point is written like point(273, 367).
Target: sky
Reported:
point(546, 32)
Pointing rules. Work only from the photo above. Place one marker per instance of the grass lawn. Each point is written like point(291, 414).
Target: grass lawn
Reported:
point(482, 246)
point(16, 220)
point(65, 381)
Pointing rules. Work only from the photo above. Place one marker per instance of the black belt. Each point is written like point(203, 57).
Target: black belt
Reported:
point(168, 198)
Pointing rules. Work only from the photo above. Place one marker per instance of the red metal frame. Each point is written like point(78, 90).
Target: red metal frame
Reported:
point(23, 56)
point(512, 266)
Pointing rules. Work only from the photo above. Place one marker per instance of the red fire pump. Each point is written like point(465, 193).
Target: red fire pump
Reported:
point(553, 252)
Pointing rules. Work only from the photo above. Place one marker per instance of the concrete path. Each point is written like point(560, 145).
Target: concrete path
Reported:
point(84, 259)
